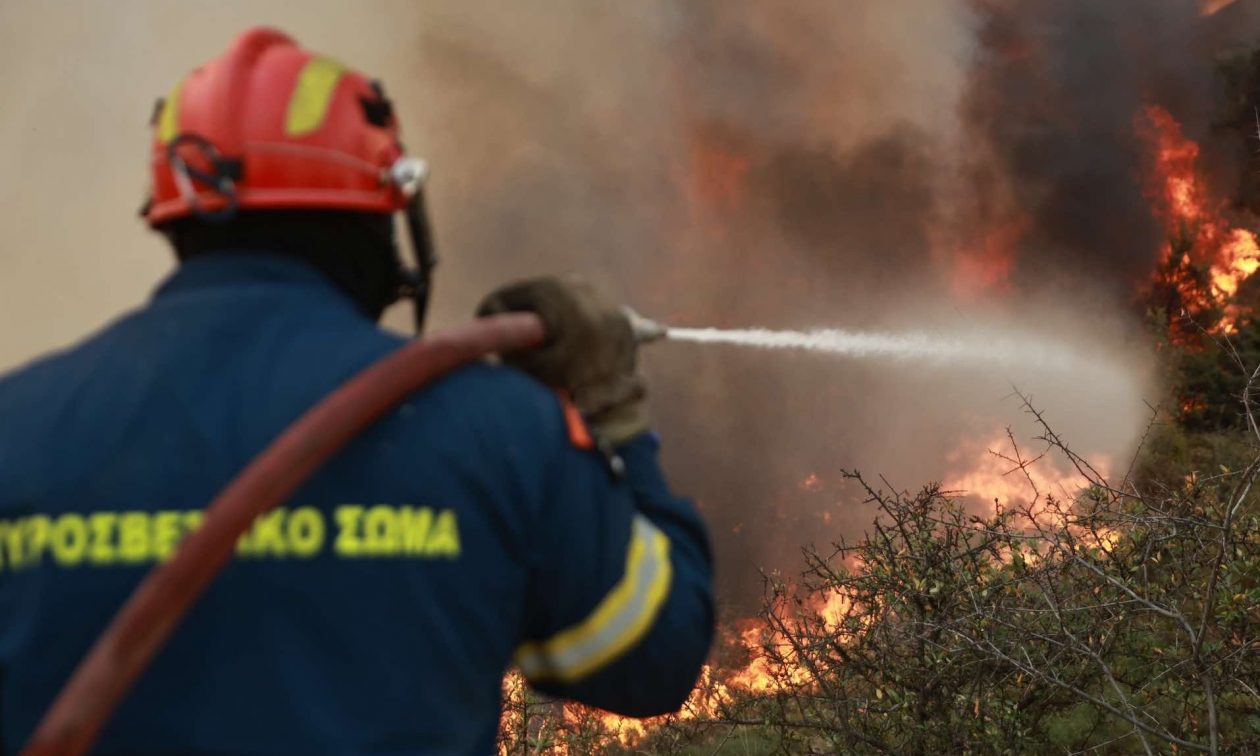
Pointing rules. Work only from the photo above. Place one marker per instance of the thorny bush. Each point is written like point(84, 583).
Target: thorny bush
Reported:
point(1122, 619)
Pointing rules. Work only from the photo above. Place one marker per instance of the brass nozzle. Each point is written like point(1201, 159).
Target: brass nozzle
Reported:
point(645, 330)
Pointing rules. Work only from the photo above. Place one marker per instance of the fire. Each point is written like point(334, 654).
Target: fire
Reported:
point(772, 665)
point(718, 175)
point(1194, 220)
point(761, 675)
point(1044, 491)
point(988, 268)
point(991, 472)
point(1212, 7)
point(826, 611)
point(981, 263)
point(980, 267)
point(1243, 258)
point(550, 719)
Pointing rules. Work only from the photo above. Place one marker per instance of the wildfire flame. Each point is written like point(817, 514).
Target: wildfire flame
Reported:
point(1194, 220)
point(771, 663)
point(764, 675)
point(990, 471)
point(1212, 7)
point(982, 268)
point(996, 474)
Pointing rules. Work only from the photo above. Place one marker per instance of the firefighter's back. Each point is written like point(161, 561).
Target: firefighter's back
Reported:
point(373, 613)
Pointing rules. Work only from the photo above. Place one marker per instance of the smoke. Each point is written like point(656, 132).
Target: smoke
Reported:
point(716, 163)
point(1049, 145)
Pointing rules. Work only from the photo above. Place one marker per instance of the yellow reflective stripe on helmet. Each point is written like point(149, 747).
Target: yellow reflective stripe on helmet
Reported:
point(622, 618)
point(311, 96)
point(168, 121)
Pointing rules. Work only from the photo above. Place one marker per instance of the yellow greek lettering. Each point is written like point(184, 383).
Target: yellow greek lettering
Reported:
point(444, 537)
point(415, 528)
point(267, 536)
point(69, 539)
point(37, 529)
point(305, 529)
point(6, 553)
point(349, 518)
point(101, 543)
point(132, 537)
point(245, 544)
point(134, 543)
point(165, 533)
point(380, 531)
point(192, 520)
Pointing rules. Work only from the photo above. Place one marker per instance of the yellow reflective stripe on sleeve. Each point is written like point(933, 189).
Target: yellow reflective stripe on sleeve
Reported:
point(620, 620)
point(308, 106)
point(168, 121)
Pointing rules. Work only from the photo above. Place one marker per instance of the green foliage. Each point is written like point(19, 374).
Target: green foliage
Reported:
point(1115, 623)
point(1210, 380)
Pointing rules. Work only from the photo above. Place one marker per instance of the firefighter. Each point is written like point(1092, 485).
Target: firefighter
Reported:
point(507, 515)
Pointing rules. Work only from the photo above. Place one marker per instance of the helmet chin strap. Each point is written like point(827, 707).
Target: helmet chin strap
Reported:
point(410, 176)
point(418, 281)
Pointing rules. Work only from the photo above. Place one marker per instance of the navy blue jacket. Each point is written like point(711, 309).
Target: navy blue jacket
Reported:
point(375, 612)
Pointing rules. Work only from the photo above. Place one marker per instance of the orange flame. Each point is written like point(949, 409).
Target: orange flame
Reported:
point(717, 176)
point(772, 664)
point(1192, 215)
point(1212, 7)
point(980, 265)
point(988, 471)
point(996, 477)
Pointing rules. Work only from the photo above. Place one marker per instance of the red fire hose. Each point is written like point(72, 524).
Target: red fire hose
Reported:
point(152, 612)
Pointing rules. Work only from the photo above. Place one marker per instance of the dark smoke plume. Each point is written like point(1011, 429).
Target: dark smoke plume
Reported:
point(1055, 93)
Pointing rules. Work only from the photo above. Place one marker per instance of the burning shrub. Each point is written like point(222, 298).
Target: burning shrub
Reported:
point(1125, 619)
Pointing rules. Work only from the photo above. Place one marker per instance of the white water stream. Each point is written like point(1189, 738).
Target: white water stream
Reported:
point(976, 349)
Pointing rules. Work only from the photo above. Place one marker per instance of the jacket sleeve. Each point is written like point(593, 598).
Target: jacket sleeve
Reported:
point(620, 608)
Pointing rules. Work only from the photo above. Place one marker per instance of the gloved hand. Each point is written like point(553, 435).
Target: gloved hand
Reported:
point(590, 352)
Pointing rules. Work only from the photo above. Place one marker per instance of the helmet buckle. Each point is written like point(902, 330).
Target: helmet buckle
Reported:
point(222, 176)
point(408, 175)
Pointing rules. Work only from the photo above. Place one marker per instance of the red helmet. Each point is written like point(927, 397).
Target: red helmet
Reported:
point(268, 125)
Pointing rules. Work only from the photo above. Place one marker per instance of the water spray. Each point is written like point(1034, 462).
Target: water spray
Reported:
point(989, 347)
point(914, 346)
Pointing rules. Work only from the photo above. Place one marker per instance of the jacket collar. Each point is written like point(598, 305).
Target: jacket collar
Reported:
point(215, 270)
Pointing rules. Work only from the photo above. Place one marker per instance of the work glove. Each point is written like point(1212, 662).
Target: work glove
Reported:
point(590, 352)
